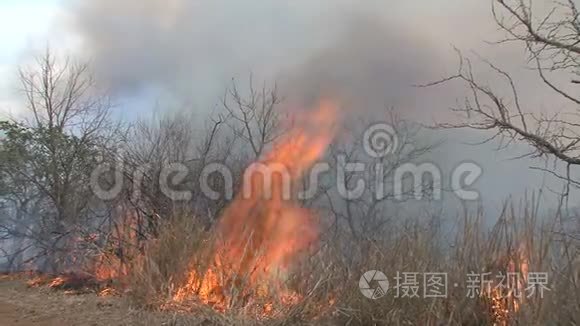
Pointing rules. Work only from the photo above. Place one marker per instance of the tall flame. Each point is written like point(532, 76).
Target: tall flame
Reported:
point(264, 229)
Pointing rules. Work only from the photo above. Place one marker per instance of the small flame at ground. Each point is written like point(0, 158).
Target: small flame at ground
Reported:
point(504, 303)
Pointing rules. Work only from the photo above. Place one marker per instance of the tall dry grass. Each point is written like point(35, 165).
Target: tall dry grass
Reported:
point(166, 260)
point(327, 278)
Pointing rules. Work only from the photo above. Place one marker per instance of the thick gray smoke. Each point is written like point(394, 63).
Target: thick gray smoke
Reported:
point(372, 65)
point(367, 55)
point(192, 49)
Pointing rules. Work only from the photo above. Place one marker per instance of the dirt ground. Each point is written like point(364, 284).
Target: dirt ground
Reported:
point(21, 305)
point(24, 306)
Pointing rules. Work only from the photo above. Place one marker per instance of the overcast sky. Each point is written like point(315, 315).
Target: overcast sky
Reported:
point(175, 53)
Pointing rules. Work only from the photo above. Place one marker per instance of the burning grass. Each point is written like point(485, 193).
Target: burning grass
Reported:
point(70, 283)
point(91, 268)
point(263, 232)
point(247, 261)
point(271, 260)
point(322, 285)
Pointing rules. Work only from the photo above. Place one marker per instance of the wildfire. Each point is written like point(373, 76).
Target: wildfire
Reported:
point(506, 301)
point(264, 230)
point(103, 272)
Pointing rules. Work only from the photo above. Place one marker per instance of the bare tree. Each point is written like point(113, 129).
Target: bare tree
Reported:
point(254, 118)
point(552, 42)
point(234, 135)
point(366, 215)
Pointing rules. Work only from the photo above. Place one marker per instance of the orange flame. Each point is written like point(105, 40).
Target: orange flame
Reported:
point(505, 303)
point(264, 230)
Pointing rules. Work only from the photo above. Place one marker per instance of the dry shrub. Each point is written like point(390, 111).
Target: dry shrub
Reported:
point(519, 242)
point(167, 260)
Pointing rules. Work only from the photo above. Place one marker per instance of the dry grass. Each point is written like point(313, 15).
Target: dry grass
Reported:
point(167, 260)
point(328, 279)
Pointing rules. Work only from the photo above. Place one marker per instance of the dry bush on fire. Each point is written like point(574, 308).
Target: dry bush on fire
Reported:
point(326, 277)
point(520, 241)
point(166, 242)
